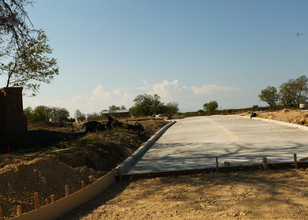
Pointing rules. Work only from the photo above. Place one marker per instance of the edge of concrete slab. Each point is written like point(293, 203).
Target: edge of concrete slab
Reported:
point(303, 127)
point(127, 164)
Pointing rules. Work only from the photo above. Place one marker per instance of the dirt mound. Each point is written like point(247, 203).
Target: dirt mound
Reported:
point(286, 115)
point(46, 176)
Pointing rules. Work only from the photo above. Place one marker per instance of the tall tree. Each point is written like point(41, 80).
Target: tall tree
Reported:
point(60, 114)
point(269, 95)
point(79, 114)
point(30, 65)
point(210, 107)
point(294, 92)
point(146, 105)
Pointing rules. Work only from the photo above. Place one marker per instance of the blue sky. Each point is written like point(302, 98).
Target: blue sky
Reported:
point(190, 52)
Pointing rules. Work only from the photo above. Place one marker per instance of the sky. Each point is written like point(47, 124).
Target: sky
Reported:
point(186, 51)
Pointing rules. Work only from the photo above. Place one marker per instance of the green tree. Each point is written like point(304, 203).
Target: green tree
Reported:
point(94, 116)
point(41, 113)
point(172, 108)
point(146, 105)
point(269, 95)
point(79, 114)
point(30, 65)
point(294, 92)
point(210, 107)
point(29, 114)
point(59, 114)
point(114, 108)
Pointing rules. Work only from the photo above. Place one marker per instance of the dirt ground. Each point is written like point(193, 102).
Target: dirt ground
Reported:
point(286, 115)
point(272, 194)
point(47, 170)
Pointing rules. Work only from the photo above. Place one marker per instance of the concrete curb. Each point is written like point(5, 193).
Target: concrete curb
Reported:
point(302, 127)
point(127, 164)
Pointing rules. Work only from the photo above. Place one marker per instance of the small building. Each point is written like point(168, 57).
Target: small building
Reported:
point(117, 113)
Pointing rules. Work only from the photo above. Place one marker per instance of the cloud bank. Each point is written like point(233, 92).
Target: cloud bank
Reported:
point(189, 98)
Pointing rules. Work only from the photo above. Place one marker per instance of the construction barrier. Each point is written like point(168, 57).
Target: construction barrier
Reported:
point(59, 207)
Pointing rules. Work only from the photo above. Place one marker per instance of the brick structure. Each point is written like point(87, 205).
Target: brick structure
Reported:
point(12, 118)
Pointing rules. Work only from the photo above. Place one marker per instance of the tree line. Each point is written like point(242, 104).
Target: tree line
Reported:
point(290, 94)
point(145, 105)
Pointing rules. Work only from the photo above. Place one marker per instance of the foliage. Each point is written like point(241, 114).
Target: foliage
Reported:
point(210, 107)
point(146, 105)
point(60, 114)
point(79, 114)
point(114, 108)
point(270, 96)
point(43, 113)
point(15, 25)
point(29, 65)
point(294, 92)
point(94, 116)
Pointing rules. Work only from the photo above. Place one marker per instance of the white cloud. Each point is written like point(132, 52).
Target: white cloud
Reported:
point(214, 89)
point(189, 98)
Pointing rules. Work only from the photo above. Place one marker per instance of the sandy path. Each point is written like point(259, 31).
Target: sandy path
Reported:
point(281, 194)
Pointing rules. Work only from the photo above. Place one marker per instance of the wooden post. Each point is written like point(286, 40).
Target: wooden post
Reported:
point(295, 161)
point(82, 184)
point(52, 198)
point(19, 212)
point(36, 200)
point(217, 168)
point(46, 201)
point(265, 165)
point(67, 190)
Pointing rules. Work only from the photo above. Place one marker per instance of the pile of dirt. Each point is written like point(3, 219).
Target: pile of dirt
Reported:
point(44, 175)
point(287, 115)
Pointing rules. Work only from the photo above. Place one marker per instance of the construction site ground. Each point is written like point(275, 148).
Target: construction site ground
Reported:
point(272, 194)
point(263, 194)
point(47, 169)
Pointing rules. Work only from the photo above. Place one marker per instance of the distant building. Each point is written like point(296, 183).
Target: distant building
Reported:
point(117, 113)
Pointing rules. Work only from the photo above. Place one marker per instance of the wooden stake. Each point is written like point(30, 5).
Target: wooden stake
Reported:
point(265, 165)
point(19, 212)
point(67, 190)
point(217, 168)
point(295, 161)
point(82, 184)
point(46, 201)
point(36, 200)
point(52, 198)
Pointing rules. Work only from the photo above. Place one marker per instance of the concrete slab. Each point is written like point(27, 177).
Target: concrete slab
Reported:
point(193, 143)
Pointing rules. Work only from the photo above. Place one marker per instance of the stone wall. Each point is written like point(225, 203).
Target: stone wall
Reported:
point(12, 118)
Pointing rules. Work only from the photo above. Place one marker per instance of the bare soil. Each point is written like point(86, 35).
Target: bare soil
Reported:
point(272, 194)
point(286, 115)
point(47, 169)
